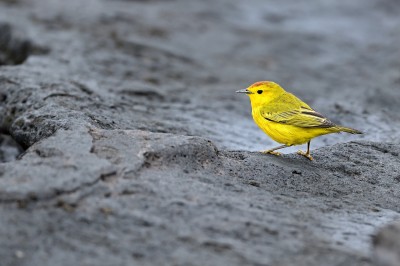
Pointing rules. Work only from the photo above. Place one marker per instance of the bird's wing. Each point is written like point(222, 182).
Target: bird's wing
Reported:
point(288, 109)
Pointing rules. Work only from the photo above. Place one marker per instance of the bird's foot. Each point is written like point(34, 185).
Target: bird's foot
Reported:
point(272, 152)
point(305, 154)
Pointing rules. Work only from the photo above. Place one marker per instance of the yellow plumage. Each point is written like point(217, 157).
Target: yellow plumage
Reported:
point(287, 119)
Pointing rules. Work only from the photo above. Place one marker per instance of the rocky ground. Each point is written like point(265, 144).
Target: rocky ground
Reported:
point(123, 143)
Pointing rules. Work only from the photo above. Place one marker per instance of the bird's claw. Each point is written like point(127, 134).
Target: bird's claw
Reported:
point(272, 152)
point(305, 154)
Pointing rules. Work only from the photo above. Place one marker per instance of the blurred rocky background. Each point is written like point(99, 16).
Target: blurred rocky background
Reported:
point(122, 141)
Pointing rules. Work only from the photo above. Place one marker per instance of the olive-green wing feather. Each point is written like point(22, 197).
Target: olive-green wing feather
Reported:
point(288, 109)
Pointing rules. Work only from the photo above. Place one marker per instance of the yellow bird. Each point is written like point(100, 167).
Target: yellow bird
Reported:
point(287, 119)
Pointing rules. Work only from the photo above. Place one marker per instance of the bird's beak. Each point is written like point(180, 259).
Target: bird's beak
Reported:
point(244, 91)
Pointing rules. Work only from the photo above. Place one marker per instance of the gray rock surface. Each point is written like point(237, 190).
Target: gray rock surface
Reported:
point(387, 245)
point(122, 141)
point(13, 51)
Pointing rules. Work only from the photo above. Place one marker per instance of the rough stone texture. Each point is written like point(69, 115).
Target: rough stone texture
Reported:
point(123, 142)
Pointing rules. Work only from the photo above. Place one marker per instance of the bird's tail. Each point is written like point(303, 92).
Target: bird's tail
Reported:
point(348, 130)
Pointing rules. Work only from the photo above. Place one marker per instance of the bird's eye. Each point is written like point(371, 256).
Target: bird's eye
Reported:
point(259, 91)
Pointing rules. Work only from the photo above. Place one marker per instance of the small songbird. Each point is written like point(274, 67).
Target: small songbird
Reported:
point(287, 119)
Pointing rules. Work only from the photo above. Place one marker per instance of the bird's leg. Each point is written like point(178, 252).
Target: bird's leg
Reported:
point(273, 151)
point(306, 154)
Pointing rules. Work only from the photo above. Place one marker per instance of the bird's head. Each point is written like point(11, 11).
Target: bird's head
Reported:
point(262, 92)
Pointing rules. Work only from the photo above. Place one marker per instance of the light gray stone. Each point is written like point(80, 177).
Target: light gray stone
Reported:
point(123, 142)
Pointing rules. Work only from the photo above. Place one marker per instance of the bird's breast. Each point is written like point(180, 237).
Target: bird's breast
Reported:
point(283, 133)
